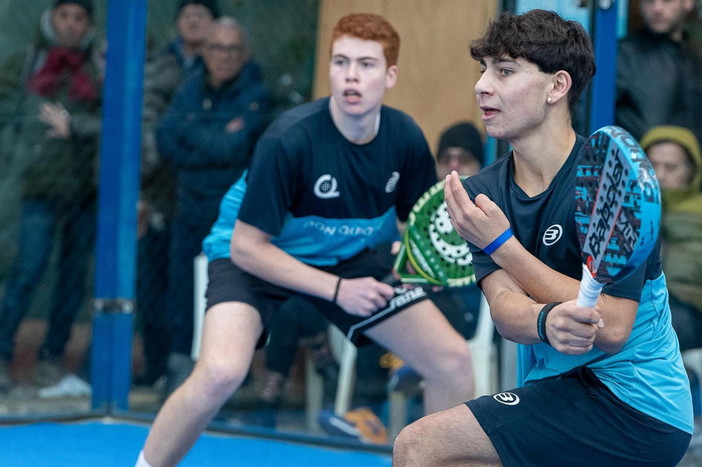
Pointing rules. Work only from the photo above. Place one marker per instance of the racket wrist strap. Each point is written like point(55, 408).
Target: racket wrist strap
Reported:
point(541, 321)
point(498, 242)
point(336, 290)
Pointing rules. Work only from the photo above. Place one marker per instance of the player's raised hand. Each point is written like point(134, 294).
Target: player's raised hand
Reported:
point(481, 222)
point(572, 329)
point(364, 295)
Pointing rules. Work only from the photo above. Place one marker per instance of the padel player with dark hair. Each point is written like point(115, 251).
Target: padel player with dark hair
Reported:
point(328, 181)
point(602, 385)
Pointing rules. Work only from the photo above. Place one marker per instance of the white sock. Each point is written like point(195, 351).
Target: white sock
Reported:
point(141, 461)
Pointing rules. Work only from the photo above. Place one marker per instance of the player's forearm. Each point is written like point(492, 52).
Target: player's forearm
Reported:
point(270, 263)
point(541, 282)
point(546, 285)
point(514, 315)
point(511, 309)
point(618, 315)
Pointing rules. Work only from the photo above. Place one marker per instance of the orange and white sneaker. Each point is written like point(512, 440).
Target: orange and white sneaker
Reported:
point(361, 424)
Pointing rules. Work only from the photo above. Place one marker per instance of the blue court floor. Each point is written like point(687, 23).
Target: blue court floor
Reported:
point(107, 443)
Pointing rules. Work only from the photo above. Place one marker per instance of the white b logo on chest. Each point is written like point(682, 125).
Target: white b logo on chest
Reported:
point(552, 234)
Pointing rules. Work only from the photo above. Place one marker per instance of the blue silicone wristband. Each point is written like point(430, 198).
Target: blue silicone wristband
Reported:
point(495, 244)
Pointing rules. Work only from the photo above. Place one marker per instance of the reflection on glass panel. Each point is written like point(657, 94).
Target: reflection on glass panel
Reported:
point(51, 75)
point(308, 380)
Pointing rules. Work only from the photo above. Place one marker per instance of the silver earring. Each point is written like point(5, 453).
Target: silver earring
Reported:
point(548, 100)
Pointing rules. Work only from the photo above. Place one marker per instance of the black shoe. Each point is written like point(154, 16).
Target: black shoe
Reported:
point(48, 372)
point(147, 378)
point(404, 379)
point(265, 413)
point(5, 379)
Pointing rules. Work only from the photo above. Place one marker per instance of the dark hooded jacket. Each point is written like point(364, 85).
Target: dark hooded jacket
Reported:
point(658, 83)
point(193, 135)
point(51, 168)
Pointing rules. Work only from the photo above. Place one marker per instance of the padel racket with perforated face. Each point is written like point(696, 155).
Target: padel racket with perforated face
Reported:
point(617, 209)
point(438, 255)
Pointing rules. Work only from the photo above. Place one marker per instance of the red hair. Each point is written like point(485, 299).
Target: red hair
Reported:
point(370, 27)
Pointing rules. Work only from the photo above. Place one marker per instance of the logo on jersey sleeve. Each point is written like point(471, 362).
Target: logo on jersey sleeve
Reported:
point(507, 398)
point(552, 234)
point(325, 187)
point(392, 182)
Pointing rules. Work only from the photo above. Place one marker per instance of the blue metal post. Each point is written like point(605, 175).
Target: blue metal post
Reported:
point(119, 186)
point(604, 37)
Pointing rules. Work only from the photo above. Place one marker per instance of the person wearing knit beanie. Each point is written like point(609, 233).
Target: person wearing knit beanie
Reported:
point(460, 149)
point(676, 157)
point(209, 4)
point(87, 5)
point(677, 160)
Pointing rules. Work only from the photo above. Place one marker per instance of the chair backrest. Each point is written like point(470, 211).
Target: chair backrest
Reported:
point(200, 262)
point(483, 353)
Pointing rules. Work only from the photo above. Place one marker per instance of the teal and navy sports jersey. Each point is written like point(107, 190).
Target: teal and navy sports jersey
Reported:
point(322, 198)
point(545, 223)
point(647, 373)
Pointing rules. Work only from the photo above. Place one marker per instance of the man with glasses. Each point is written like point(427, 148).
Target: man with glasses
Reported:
point(164, 72)
point(207, 135)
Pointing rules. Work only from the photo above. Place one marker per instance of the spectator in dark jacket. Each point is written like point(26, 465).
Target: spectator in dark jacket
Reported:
point(166, 71)
point(163, 74)
point(51, 93)
point(657, 73)
point(208, 134)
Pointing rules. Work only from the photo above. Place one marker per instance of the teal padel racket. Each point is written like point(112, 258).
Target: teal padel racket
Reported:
point(618, 209)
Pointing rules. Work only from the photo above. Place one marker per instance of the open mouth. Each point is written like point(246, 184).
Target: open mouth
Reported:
point(488, 111)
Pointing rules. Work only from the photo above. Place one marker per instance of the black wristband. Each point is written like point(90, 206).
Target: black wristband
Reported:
point(336, 290)
point(541, 321)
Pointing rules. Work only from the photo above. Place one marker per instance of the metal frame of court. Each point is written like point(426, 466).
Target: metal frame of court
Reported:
point(119, 185)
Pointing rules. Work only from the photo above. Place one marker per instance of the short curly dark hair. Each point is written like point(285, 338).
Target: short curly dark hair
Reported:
point(370, 27)
point(545, 39)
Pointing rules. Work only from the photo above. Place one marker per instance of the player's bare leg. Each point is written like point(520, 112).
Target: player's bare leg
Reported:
point(231, 331)
point(450, 437)
point(422, 337)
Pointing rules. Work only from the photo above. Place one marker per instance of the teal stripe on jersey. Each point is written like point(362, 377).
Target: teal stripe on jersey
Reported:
point(216, 244)
point(309, 239)
point(312, 239)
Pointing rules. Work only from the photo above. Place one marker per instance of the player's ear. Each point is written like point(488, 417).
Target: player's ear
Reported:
point(391, 77)
point(561, 83)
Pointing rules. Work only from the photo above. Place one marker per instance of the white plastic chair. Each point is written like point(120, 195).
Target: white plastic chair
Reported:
point(485, 370)
point(200, 264)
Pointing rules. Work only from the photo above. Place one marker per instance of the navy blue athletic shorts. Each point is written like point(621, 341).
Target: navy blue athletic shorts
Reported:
point(575, 420)
point(228, 283)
